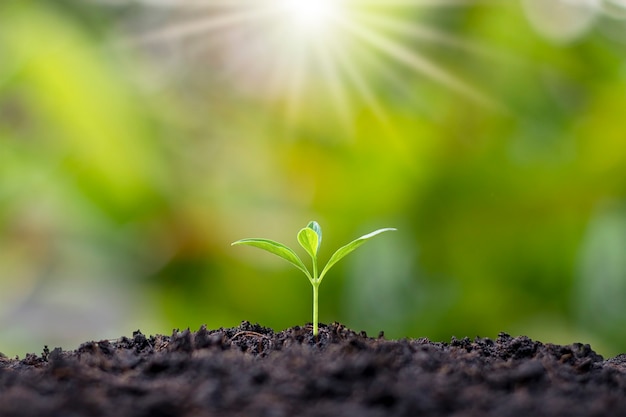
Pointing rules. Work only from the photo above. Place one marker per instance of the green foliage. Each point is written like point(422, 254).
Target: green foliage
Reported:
point(310, 238)
point(277, 249)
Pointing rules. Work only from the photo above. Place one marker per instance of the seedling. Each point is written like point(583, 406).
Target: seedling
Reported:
point(310, 238)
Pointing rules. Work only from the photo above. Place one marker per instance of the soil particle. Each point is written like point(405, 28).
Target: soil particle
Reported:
point(251, 370)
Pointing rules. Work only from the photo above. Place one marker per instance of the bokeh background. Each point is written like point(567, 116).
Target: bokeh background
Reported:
point(138, 139)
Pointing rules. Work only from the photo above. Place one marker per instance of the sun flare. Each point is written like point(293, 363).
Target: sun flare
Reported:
point(310, 15)
point(340, 54)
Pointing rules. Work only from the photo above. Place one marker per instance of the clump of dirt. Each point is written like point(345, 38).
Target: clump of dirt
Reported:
point(253, 371)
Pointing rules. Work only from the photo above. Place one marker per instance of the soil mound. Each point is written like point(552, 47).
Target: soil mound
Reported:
point(253, 371)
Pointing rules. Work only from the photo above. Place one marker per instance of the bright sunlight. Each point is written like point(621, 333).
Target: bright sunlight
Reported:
point(311, 15)
point(290, 51)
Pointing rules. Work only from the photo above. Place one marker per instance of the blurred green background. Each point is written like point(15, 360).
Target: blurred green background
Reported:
point(138, 139)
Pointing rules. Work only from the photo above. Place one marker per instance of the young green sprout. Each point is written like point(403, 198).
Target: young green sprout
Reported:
point(310, 238)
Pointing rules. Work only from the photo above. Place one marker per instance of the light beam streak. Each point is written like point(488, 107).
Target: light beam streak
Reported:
point(284, 49)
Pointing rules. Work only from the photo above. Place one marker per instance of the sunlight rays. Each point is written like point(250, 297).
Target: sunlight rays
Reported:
point(415, 61)
point(287, 51)
point(201, 26)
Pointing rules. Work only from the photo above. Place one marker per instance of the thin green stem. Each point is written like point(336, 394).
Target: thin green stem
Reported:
point(315, 310)
point(316, 285)
point(315, 277)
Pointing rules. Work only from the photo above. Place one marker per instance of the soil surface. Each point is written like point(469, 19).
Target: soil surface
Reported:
point(253, 371)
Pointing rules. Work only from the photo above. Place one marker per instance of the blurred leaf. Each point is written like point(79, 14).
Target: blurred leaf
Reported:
point(72, 86)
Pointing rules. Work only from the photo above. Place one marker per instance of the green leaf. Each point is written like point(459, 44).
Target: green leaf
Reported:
point(318, 229)
point(344, 250)
point(277, 249)
point(309, 240)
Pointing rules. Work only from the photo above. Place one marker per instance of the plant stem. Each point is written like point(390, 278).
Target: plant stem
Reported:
point(316, 285)
point(315, 312)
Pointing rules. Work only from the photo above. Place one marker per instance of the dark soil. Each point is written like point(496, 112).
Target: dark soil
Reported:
point(253, 371)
